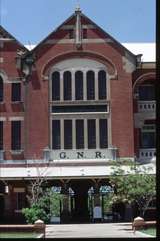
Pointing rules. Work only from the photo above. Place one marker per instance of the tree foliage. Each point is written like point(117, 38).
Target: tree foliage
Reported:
point(46, 206)
point(133, 186)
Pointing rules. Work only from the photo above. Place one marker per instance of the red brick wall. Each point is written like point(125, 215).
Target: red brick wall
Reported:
point(121, 99)
point(7, 108)
point(36, 133)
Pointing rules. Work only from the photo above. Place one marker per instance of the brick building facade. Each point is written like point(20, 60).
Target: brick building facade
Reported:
point(76, 101)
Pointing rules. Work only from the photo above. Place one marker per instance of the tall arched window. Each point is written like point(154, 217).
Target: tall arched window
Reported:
point(102, 85)
point(67, 85)
point(90, 85)
point(56, 85)
point(1, 89)
point(79, 85)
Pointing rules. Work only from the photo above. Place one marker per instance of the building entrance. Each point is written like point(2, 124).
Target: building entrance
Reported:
point(82, 201)
point(80, 211)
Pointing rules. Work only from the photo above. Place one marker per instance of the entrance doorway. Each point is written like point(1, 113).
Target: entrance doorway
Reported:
point(80, 212)
point(81, 201)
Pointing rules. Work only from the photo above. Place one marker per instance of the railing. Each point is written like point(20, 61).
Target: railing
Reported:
point(148, 154)
point(146, 106)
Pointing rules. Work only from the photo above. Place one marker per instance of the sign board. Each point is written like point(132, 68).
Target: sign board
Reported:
point(97, 212)
point(109, 154)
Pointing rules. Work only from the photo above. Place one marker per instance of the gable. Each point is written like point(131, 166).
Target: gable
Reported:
point(80, 25)
point(6, 37)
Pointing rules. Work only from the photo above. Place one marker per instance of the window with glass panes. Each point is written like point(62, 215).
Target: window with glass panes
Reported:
point(16, 92)
point(56, 134)
point(1, 135)
point(56, 86)
point(67, 85)
point(103, 133)
point(102, 85)
point(67, 134)
point(79, 134)
point(90, 85)
point(1, 89)
point(148, 136)
point(91, 126)
point(79, 85)
point(146, 92)
point(16, 135)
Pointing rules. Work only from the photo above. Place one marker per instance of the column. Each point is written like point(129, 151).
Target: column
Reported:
point(96, 85)
point(62, 132)
point(73, 134)
point(85, 134)
point(84, 86)
point(97, 134)
point(97, 210)
point(61, 86)
point(96, 195)
point(73, 85)
point(65, 204)
point(109, 130)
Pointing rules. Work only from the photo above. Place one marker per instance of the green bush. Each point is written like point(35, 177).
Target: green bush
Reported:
point(47, 205)
point(34, 213)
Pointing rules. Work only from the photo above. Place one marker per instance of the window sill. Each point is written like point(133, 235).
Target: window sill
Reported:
point(80, 102)
point(17, 102)
point(16, 152)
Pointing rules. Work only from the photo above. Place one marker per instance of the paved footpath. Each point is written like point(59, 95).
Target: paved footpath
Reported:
point(94, 230)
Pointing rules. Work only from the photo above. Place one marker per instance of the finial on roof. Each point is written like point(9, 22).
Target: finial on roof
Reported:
point(77, 9)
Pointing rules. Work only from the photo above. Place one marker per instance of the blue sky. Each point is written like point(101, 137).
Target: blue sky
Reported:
point(126, 20)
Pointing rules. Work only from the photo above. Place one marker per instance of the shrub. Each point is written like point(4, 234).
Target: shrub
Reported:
point(34, 213)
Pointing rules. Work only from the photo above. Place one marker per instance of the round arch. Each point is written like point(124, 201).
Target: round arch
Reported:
point(142, 78)
point(3, 75)
point(70, 55)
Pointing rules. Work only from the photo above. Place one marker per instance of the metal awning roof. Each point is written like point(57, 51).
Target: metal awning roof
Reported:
point(56, 172)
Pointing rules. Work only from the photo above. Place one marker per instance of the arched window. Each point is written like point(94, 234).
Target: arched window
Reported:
point(79, 85)
point(90, 85)
point(67, 85)
point(102, 85)
point(1, 89)
point(56, 85)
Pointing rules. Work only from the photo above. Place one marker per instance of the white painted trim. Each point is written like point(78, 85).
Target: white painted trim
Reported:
point(1, 60)
point(3, 118)
point(18, 189)
point(7, 39)
point(3, 76)
point(145, 76)
point(108, 85)
point(80, 115)
point(84, 26)
point(73, 65)
point(72, 41)
point(15, 80)
point(56, 172)
point(16, 118)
